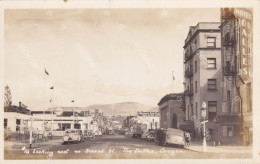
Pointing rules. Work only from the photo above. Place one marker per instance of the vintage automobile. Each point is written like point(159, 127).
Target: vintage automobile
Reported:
point(150, 136)
point(144, 134)
point(88, 134)
point(170, 137)
point(73, 135)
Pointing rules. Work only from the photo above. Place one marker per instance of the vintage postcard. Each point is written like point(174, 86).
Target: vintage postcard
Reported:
point(130, 80)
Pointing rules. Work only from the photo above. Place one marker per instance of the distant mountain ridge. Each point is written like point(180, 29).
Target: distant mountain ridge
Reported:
point(123, 108)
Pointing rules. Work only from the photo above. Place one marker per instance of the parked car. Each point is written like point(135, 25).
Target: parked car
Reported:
point(110, 132)
point(150, 136)
point(88, 134)
point(144, 134)
point(73, 135)
point(122, 131)
point(170, 137)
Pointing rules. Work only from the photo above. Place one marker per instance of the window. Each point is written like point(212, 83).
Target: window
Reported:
point(211, 63)
point(196, 109)
point(211, 42)
point(191, 88)
point(188, 112)
point(192, 112)
point(5, 123)
point(196, 86)
point(211, 133)
point(212, 84)
point(196, 66)
point(249, 97)
point(228, 101)
point(18, 122)
point(227, 131)
point(212, 110)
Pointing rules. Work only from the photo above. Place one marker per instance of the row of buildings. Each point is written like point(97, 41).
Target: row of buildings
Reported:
point(217, 70)
point(142, 121)
point(20, 119)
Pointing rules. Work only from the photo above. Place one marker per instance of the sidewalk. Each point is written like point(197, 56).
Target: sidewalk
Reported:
point(16, 145)
point(220, 149)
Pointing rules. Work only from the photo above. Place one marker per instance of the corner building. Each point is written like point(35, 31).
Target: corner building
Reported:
point(203, 83)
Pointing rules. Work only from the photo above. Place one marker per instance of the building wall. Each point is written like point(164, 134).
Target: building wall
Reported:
point(11, 120)
point(241, 92)
point(206, 73)
point(200, 53)
point(167, 110)
point(148, 120)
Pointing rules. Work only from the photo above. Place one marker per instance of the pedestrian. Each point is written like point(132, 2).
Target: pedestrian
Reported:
point(187, 138)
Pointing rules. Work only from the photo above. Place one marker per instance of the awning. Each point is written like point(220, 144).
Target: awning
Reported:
point(232, 119)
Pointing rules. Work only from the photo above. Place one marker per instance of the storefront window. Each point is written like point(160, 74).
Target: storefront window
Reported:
point(227, 131)
point(5, 123)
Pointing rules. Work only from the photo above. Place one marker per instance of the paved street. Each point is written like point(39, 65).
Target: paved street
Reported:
point(115, 146)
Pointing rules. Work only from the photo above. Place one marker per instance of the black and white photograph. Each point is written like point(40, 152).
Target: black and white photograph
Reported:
point(128, 83)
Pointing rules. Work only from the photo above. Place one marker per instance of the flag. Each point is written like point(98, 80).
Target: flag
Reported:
point(47, 73)
point(52, 87)
point(72, 101)
point(173, 78)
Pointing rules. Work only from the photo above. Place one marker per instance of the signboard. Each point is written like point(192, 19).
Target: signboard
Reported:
point(244, 28)
point(203, 113)
point(59, 111)
point(241, 21)
point(204, 121)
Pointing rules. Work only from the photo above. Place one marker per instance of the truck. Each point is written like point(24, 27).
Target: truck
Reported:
point(138, 129)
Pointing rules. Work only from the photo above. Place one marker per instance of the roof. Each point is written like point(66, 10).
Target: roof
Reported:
point(235, 119)
point(148, 114)
point(171, 96)
point(201, 26)
point(18, 109)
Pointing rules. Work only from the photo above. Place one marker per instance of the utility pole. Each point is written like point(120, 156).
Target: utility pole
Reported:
point(173, 78)
point(52, 88)
point(31, 129)
point(73, 124)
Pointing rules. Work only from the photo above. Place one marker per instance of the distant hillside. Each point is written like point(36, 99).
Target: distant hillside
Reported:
point(124, 108)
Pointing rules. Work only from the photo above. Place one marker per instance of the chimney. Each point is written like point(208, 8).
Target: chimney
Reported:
point(20, 104)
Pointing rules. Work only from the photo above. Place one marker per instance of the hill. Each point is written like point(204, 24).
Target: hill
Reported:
point(124, 108)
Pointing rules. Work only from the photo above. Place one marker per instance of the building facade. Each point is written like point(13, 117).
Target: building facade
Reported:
point(203, 83)
point(148, 120)
point(171, 108)
point(17, 118)
point(237, 43)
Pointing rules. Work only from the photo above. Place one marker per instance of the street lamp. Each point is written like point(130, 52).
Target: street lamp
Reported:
point(204, 113)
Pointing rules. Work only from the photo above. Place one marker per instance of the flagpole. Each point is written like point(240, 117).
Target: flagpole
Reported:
point(52, 112)
point(73, 114)
point(44, 101)
point(172, 82)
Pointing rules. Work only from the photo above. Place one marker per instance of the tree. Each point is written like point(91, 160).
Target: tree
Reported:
point(7, 98)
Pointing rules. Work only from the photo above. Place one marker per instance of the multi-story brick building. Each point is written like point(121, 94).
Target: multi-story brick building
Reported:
point(237, 43)
point(203, 79)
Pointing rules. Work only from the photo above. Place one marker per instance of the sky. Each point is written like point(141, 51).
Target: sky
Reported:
point(96, 56)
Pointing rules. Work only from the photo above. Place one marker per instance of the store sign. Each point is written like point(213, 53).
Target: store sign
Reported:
point(245, 29)
point(203, 113)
